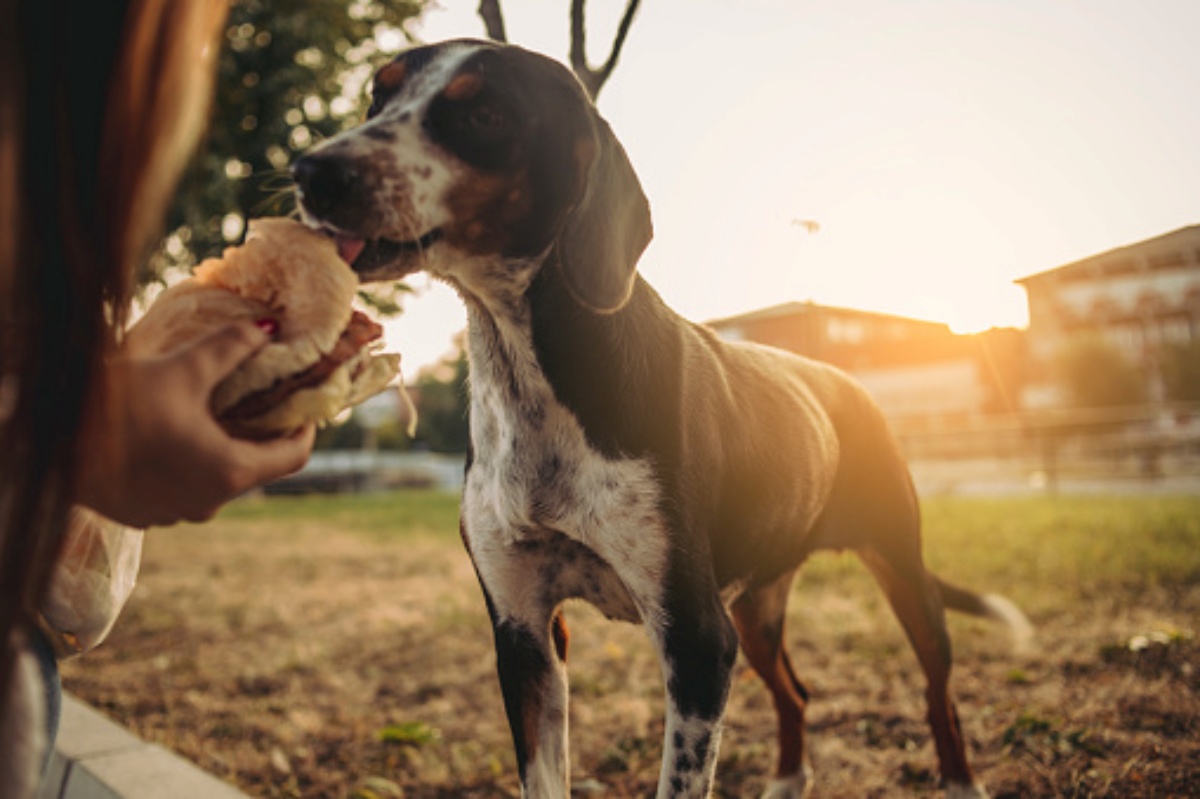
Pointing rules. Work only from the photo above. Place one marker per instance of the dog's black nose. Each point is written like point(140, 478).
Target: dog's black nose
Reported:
point(325, 181)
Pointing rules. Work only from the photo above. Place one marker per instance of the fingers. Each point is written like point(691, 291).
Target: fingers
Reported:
point(239, 466)
point(220, 352)
point(278, 457)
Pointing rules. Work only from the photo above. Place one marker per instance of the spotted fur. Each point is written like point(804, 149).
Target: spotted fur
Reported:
point(619, 454)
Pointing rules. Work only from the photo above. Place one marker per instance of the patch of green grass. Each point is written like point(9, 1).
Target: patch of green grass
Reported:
point(628, 753)
point(386, 515)
point(1065, 548)
point(1051, 550)
point(409, 733)
point(1018, 677)
point(1043, 739)
point(1046, 554)
point(825, 569)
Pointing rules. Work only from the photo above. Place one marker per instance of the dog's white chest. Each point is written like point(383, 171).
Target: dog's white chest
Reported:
point(542, 504)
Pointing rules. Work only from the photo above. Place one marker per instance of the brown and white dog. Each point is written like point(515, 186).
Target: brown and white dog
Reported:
point(619, 454)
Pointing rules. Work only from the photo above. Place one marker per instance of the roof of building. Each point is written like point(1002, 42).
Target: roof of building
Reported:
point(807, 307)
point(1122, 259)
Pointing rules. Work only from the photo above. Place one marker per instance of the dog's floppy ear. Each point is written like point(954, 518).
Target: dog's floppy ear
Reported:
point(605, 233)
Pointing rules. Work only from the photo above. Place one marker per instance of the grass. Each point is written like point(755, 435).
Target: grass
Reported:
point(1047, 552)
point(385, 516)
point(1069, 546)
point(339, 647)
point(1059, 550)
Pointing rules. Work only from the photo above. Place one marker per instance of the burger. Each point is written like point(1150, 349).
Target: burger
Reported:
point(324, 356)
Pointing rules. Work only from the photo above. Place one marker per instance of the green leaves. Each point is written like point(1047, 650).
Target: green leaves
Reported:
point(291, 73)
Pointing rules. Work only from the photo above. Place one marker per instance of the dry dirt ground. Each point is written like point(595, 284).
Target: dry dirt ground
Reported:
point(296, 660)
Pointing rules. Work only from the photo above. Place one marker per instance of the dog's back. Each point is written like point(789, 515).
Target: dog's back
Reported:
point(805, 445)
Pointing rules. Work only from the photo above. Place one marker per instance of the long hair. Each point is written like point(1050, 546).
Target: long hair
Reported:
point(101, 102)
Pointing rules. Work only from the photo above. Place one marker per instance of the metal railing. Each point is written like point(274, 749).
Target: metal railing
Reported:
point(1143, 442)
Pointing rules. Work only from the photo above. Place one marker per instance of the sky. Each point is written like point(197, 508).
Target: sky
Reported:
point(944, 148)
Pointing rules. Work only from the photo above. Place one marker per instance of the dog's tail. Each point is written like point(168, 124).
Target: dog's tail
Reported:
point(989, 606)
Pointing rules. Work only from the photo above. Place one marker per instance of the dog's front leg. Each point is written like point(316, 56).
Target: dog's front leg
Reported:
point(533, 680)
point(531, 642)
point(698, 645)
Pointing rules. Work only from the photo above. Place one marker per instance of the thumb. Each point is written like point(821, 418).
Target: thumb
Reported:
point(220, 352)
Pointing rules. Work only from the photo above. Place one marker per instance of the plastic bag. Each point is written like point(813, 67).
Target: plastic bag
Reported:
point(92, 579)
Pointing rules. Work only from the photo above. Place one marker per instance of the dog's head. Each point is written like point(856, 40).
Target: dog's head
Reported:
point(474, 156)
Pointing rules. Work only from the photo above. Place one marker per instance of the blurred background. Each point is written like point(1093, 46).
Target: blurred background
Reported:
point(987, 215)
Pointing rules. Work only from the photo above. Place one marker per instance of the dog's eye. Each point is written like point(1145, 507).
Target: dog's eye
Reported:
point(479, 130)
point(486, 119)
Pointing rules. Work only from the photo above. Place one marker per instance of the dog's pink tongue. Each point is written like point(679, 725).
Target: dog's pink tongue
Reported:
point(349, 248)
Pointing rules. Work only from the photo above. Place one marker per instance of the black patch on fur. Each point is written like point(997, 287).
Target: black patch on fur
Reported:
point(772, 631)
point(489, 129)
point(522, 125)
point(379, 133)
point(554, 491)
point(701, 662)
point(800, 687)
point(700, 748)
point(523, 666)
point(701, 642)
point(619, 374)
point(685, 761)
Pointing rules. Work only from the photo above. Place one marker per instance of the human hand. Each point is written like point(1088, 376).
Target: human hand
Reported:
point(154, 454)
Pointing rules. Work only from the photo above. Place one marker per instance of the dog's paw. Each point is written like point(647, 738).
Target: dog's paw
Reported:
point(797, 786)
point(958, 790)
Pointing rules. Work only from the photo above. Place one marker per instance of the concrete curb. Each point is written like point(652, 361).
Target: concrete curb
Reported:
point(96, 758)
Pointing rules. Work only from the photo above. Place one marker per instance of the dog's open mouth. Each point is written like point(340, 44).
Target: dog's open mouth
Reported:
point(369, 255)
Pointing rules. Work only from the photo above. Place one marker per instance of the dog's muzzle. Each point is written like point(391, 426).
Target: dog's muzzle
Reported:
point(333, 194)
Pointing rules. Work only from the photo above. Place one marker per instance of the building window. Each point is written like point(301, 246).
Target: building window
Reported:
point(844, 331)
point(1129, 337)
point(1164, 260)
point(1176, 329)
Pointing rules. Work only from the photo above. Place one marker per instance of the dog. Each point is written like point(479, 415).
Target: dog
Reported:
point(620, 454)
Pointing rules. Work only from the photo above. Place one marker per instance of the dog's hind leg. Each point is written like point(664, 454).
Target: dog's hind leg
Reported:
point(914, 597)
point(759, 616)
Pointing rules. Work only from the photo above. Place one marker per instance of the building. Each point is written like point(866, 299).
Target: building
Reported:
point(1136, 299)
point(915, 369)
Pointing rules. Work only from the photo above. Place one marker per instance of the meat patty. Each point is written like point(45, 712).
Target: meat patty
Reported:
point(358, 333)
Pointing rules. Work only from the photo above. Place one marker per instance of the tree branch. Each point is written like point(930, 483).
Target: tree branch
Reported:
point(493, 20)
point(594, 79)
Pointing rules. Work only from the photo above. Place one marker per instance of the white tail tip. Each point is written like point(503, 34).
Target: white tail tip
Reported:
point(1002, 610)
